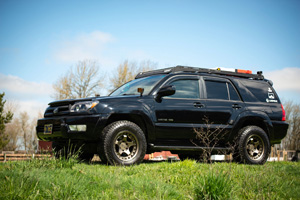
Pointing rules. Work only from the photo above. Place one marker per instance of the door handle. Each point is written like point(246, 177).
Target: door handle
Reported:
point(236, 106)
point(198, 105)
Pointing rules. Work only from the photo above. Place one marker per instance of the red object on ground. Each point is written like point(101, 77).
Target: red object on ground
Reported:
point(164, 154)
point(45, 146)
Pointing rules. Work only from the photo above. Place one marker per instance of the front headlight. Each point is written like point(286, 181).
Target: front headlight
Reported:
point(83, 106)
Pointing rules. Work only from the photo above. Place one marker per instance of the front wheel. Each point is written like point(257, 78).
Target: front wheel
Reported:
point(124, 143)
point(253, 145)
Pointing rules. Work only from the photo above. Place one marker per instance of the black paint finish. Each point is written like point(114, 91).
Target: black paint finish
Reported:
point(167, 120)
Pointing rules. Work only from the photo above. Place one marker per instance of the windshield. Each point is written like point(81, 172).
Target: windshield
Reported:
point(131, 87)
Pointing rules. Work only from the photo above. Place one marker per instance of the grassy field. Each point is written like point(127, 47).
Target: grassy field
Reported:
point(61, 179)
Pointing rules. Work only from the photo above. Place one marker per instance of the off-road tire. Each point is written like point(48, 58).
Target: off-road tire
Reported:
point(124, 143)
point(253, 145)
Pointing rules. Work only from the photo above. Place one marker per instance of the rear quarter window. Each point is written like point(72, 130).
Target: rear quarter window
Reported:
point(262, 91)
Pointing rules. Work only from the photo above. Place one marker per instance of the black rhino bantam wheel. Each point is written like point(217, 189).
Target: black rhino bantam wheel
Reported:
point(124, 143)
point(253, 145)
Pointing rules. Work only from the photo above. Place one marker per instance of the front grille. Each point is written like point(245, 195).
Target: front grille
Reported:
point(57, 110)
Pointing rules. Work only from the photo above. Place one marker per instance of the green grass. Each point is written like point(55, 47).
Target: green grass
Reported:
point(61, 179)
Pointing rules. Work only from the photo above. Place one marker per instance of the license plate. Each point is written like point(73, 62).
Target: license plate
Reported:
point(48, 129)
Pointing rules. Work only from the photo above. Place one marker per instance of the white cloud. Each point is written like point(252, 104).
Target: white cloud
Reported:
point(286, 79)
point(84, 46)
point(29, 96)
point(33, 108)
point(15, 84)
point(98, 46)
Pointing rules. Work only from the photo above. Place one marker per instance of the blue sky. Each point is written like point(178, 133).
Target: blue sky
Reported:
point(40, 40)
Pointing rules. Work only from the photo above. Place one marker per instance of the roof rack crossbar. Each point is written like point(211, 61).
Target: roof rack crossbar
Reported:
point(180, 68)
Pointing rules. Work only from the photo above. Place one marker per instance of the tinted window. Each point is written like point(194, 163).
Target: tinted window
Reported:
point(232, 93)
point(131, 87)
point(186, 89)
point(216, 90)
point(262, 91)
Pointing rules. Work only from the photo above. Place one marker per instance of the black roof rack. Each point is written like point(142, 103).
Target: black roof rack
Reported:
point(180, 68)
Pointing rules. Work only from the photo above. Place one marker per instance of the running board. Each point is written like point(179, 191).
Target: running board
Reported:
point(186, 148)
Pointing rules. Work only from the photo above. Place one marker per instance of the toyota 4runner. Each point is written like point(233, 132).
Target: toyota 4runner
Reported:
point(160, 110)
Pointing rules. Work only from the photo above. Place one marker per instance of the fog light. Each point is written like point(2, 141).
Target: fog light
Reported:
point(79, 128)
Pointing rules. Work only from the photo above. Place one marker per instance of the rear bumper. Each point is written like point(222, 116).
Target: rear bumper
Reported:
point(280, 129)
point(61, 131)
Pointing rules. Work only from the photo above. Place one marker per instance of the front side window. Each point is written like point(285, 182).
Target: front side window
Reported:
point(131, 87)
point(185, 88)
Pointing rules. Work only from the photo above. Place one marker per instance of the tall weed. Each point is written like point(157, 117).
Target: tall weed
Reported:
point(212, 185)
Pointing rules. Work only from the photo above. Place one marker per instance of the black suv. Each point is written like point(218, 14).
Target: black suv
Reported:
point(161, 109)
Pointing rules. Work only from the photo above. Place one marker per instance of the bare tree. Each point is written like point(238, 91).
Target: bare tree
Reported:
point(5, 117)
point(12, 131)
point(63, 87)
point(25, 129)
point(127, 71)
point(208, 138)
point(81, 82)
point(292, 139)
point(34, 139)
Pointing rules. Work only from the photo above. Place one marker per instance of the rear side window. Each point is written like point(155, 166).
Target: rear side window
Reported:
point(232, 93)
point(216, 90)
point(221, 90)
point(261, 91)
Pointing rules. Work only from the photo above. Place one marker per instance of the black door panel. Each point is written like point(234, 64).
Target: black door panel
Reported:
point(176, 117)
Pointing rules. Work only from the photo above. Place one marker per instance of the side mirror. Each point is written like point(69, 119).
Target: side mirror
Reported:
point(165, 91)
point(141, 91)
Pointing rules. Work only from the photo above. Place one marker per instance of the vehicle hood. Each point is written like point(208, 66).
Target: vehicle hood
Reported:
point(72, 101)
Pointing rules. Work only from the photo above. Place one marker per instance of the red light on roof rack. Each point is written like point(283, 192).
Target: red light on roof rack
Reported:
point(244, 71)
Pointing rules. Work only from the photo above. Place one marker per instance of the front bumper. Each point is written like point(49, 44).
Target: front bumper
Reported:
point(61, 130)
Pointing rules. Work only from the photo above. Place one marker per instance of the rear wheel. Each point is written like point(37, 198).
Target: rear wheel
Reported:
point(253, 145)
point(124, 143)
